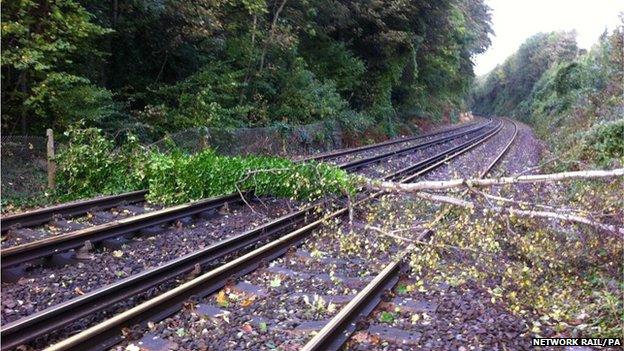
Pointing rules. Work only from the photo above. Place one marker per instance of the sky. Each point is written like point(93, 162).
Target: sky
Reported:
point(514, 21)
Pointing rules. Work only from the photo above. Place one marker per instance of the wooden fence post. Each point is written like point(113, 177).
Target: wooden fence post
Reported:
point(51, 161)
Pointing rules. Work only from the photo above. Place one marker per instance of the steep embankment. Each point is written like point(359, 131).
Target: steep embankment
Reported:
point(573, 99)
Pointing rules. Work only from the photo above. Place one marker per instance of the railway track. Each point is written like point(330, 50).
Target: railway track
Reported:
point(102, 335)
point(339, 329)
point(76, 208)
point(15, 255)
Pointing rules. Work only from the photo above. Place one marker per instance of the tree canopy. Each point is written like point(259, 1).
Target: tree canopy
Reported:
point(166, 65)
point(502, 90)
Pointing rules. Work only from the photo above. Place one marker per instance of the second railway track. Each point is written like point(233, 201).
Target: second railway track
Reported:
point(339, 329)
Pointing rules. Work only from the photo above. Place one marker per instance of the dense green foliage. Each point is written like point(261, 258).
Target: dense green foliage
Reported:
point(90, 165)
point(604, 143)
point(161, 66)
point(180, 178)
point(573, 99)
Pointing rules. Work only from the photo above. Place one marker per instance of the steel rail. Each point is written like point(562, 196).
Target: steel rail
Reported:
point(342, 152)
point(69, 209)
point(339, 329)
point(57, 316)
point(15, 255)
point(165, 307)
point(436, 160)
point(75, 208)
point(107, 333)
point(353, 165)
point(505, 149)
point(56, 244)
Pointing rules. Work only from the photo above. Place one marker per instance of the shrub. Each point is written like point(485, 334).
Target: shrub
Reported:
point(605, 142)
point(304, 99)
point(66, 99)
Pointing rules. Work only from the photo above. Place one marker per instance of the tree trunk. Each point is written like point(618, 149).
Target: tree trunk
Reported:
point(270, 36)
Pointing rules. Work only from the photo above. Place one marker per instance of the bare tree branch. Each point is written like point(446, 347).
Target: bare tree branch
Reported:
point(475, 182)
point(563, 216)
point(270, 36)
point(447, 199)
point(528, 204)
point(527, 213)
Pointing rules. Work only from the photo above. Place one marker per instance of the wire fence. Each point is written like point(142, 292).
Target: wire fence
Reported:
point(23, 165)
point(274, 140)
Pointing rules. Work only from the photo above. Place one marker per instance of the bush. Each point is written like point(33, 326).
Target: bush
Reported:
point(305, 99)
point(604, 143)
point(333, 61)
point(65, 99)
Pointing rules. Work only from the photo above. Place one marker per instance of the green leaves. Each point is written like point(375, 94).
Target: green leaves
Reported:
point(173, 65)
point(43, 43)
point(509, 87)
point(402, 289)
point(386, 317)
point(276, 282)
point(67, 99)
point(605, 142)
point(42, 39)
point(181, 178)
point(91, 164)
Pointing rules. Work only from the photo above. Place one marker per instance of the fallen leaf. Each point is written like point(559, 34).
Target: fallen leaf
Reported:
point(248, 301)
point(331, 308)
point(222, 299)
point(386, 317)
point(374, 339)
point(225, 316)
point(117, 253)
point(247, 328)
point(360, 337)
point(276, 282)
